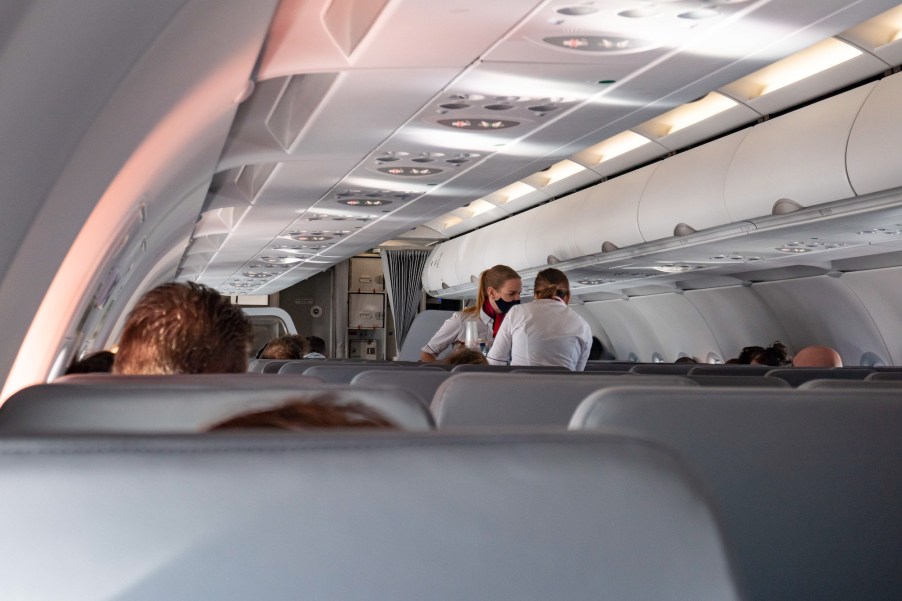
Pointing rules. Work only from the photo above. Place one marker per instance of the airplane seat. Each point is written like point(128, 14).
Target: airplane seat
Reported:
point(421, 331)
point(420, 382)
point(245, 381)
point(466, 368)
point(516, 400)
point(884, 376)
point(799, 375)
point(342, 374)
point(866, 384)
point(608, 366)
point(757, 381)
point(377, 516)
point(808, 482)
point(730, 370)
point(183, 404)
point(673, 369)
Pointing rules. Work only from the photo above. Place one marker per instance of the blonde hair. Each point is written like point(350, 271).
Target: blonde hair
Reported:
point(493, 277)
point(551, 283)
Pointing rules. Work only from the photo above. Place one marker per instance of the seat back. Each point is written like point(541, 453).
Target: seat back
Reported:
point(419, 382)
point(343, 374)
point(421, 331)
point(809, 482)
point(730, 370)
point(486, 400)
point(376, 517)
point(799, 375)
point(181, 407)
point(609, 366)
point(673, 369)
point(758, 381)
point(885, 376)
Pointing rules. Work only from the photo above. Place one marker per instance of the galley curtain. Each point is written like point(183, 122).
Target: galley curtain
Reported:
point(404, 284)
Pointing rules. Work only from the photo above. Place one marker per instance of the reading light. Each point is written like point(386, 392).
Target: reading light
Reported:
point(479, 206)
point(811, 61)
point(615, 146)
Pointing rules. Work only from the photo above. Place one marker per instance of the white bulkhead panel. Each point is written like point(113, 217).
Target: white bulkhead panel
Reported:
point(873, 151)
point(799, 157)
point(610, 213)
point(688, 188)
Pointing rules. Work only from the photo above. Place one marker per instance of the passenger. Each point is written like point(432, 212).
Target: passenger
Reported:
point(299, 415)
point(184, 329)
point(817, 356)
point(282, 348)
point(99, 362)
point(776, 355)
point(466, 356)
point(596, 351)
point(499, 290)
point(685, 360)
point(748, 353)
point(316, 348)
point(545, 331)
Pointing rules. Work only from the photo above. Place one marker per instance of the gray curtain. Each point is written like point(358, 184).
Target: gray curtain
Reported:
point(404, 284)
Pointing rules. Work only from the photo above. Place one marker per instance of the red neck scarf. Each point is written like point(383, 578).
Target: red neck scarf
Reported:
point(498, 316)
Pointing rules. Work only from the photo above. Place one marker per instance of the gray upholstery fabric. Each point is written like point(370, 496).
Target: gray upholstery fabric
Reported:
point(176, 407)
point(375, 517)
point(606, 366)
point(867, 384)
point(421, 383)
point(673, 369)
point(758, 381)
point(730, 370)
point(885, 376)
point(487, 400)
point(809, 482)
point(343, 374)
point(797, 376)
point(421, 331)
point(246, 381)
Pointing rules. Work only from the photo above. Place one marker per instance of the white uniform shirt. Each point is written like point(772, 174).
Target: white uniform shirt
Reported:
point(543, 332)
point(454, 330)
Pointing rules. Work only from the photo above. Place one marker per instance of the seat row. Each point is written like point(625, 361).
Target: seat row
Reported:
point(807, 482)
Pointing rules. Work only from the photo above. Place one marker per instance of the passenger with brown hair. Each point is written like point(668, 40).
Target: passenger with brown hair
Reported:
point(546, 331)
point(466, 356)
point(184, 328)
point(284, 348)
point(99, 362)
point(499, 291)
point(299, 415)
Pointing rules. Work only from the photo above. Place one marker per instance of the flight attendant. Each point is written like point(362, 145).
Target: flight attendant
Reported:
point(546, 331)
point(499, 291)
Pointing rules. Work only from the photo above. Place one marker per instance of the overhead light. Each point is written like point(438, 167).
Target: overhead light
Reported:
point(450, 222)
point(280, 260)
point(811, 61)
point(882, 30)
point(615, 146)
point(514, 191)
point(560, 171)
point(689, 114)
point(479, 206)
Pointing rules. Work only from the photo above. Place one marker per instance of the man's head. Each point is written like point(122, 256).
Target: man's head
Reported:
point(817, 356)
point(183, 329)
point(283, 347)
point(317, 345)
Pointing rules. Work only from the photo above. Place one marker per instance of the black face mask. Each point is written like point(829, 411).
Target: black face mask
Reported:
point(505, 306)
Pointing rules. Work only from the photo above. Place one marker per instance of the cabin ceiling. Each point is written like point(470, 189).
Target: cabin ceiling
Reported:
point(372, 117)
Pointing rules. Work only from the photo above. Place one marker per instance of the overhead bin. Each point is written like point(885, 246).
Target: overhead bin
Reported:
point(610, 213)
point(799, 157)
point(688, 189)
point(441, 267)
point(873, 150)
point(551, 232)
point(502, 242)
